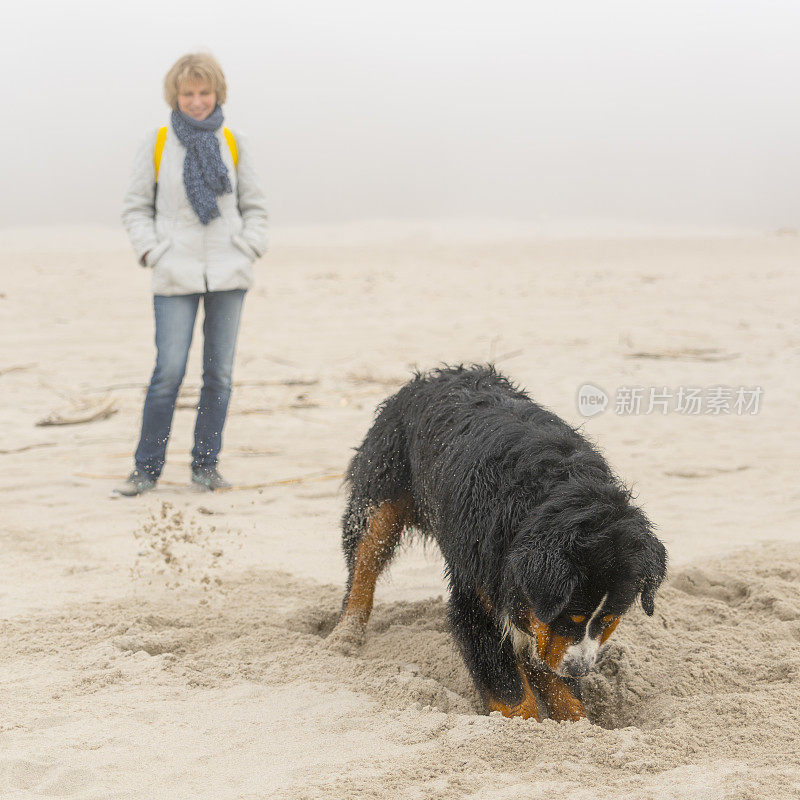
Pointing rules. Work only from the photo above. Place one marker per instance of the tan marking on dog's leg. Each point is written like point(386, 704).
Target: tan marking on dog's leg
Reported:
point(372, 552)
point(374, 549)
point(528, 708)
point(556, 648)
point(542, 634)
point(562, 705)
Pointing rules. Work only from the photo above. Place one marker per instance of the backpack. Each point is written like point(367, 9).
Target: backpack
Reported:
point(161, 139)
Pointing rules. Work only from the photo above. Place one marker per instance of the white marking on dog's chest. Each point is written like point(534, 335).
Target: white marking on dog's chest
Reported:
point(522, 643)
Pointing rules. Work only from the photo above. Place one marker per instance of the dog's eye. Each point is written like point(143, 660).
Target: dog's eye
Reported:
point(578, 618)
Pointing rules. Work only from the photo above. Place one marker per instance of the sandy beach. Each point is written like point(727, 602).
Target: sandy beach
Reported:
point(172, 645)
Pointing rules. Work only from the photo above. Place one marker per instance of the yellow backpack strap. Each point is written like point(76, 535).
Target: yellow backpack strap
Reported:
point(232, 145)
point(161, 138)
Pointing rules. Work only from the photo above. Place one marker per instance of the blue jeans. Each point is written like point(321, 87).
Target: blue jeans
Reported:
point(175, 315)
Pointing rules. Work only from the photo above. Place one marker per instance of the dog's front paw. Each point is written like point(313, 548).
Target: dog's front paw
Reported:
point(566, 709)
point(562, 705)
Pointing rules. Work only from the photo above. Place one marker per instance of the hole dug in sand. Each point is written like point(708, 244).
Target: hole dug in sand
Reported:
point(700, 700)
point(720, 638)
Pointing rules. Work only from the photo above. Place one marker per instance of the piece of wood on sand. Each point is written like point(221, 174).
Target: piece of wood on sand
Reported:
point(80, 411)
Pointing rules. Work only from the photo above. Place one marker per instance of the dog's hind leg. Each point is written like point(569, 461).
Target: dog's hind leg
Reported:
point(490, 657)
point(383, 526)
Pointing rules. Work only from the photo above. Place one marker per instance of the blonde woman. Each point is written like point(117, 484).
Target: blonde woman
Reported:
point(196, 217)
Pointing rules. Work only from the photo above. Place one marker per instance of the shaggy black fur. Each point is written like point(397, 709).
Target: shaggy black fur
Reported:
point(527, 513)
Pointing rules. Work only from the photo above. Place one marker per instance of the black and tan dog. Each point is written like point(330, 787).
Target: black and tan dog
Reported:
point(544, 551)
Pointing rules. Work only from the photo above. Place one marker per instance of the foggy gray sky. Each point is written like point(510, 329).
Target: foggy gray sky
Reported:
point(650, 112)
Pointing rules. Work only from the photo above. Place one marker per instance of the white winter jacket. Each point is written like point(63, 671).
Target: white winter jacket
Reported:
point(185, 255)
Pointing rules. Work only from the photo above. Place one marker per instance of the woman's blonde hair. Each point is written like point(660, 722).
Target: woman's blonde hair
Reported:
point(194, 67)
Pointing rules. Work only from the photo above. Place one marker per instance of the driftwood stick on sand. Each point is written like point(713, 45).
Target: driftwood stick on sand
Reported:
point(16, 368)
point(705, 472)
point(22, 449)
point(688, 353)
point(81, 411)
point(286, 481)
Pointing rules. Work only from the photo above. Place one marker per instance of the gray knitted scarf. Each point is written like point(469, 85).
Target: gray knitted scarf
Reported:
point(204, 173)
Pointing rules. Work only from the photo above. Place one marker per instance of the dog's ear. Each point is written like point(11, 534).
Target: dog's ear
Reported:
point(653, 570)
point(546, 578)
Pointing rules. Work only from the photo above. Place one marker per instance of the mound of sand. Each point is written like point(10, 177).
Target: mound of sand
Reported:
point(698, 701)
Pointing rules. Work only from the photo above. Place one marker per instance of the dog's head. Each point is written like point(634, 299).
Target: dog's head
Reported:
point(576, 568)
